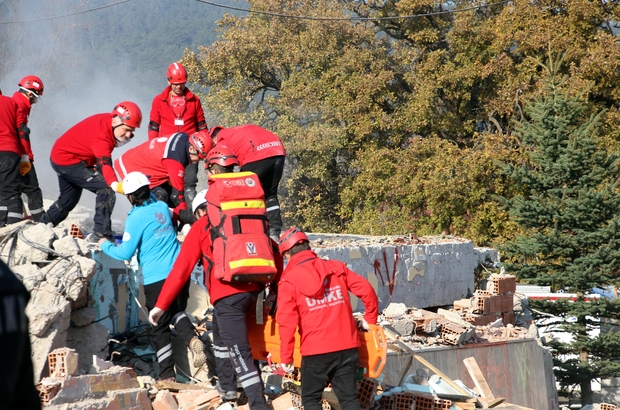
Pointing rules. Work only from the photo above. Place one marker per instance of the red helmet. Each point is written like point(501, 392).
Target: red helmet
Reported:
point(33, 84)
point(290, 238)
point(176, 73)
point(129, 113)
point(222, 156)
point(202, 143)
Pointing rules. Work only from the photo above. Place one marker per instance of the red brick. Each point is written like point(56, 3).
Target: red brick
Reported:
point(404, 401)
point(165, 401)
point(366, 390)
point(206, 397)
point(386, 402)
point(503, 285)
point(424, 403)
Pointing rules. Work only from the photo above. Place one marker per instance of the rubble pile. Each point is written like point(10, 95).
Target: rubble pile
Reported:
point(56, 268)
point(337, 240)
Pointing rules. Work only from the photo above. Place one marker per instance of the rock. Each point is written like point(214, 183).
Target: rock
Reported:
point(42, 316)
point(88, 267)
point(39, 234)
point(67, 245)
point(404, 327)
point(60, 232)
point(83, 316)
point(53, 338)
point(395, 309)
point(29, 274)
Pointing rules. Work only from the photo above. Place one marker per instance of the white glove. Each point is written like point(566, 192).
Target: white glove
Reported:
point(287, 368)
point(362, 324)
point(155, 314)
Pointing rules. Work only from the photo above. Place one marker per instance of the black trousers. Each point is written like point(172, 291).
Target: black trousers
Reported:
point(190, 181)
point(176, 316)
point(232, 331)
point(30, 187)
point(11, 207)
point(72, 179)
point(269, 172)
point(340, 368)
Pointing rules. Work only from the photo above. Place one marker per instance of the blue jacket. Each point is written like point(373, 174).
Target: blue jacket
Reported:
point(149, 229)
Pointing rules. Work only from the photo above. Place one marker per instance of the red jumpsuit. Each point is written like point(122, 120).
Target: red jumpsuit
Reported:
point(13, 145)
point(30, 181)
point(161, 159)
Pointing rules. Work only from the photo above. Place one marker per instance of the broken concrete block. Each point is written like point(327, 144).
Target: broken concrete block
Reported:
point(39, 234)
point(60, 232)
point(84, 249)
point(63, 363)
point(88, 341)
point(29, 274)
point(164, 400)
point(55, 271)
point(404, 327)
point(42, 316)
point(100, 365)
point(54, 337)
point(88, 267)
point(395, 309)
point(83, 316)
point(67, 246)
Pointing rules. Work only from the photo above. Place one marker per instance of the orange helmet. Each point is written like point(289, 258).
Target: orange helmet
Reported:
point(202, 143)
point(214, 130)
point(33, 84)
point(176, 73)
point(129, 113)
point(222, 156)
point(290, 238)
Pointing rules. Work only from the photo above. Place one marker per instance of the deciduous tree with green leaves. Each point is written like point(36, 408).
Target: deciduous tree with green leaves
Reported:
point(570, 214)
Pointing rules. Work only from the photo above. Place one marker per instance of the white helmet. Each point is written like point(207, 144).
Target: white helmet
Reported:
point(201, 198)
point(134, 181)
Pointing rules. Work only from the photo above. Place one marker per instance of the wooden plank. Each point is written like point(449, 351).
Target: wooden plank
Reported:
point(464, 405)
point(478, 378)
point(174, 386)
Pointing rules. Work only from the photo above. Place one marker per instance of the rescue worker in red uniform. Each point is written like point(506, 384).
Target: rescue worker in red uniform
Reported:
point(30, 89)
point(82, 159)
point(259, 151)
point(232, 302)
point(164, 161)
point(14, 161)
point(313, 295)
point(177, 109)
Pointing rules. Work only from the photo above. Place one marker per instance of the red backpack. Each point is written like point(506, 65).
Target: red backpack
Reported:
point(242, 249)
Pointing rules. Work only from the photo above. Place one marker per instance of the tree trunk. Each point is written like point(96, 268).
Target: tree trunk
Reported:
point(586, 393)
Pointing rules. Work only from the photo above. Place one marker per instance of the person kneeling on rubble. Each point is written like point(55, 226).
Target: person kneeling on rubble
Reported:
point(149, 229)
point(313, 294)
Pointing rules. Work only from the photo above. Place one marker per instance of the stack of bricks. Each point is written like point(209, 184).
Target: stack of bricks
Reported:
point(606, 406)
point(63, 363)
point(494, 303)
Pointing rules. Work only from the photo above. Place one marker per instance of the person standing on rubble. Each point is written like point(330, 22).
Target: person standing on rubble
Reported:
point(177, 109)
point(30, 90)
point(232, 301)
point(82, 159)
point(259, 151)
point(165, 160)
point(17, 390)
point(14, 161)
point(313, 295)
point(149, 230)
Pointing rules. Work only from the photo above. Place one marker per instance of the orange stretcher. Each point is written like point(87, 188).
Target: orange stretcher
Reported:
point(265, 342)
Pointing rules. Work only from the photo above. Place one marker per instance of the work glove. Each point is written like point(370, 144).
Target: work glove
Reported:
point(287, 368)
point(117, 187)
point(362, 325)
point(24, 165)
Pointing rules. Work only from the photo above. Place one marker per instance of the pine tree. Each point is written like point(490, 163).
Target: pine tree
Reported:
point(570, 213)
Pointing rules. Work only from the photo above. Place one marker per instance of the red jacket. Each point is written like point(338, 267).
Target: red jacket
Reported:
point(24, 105)
point(12, 124)
point(92, 141)
point(313, 295)
point(164, 121)
point(250, 143)
point(161, 159)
